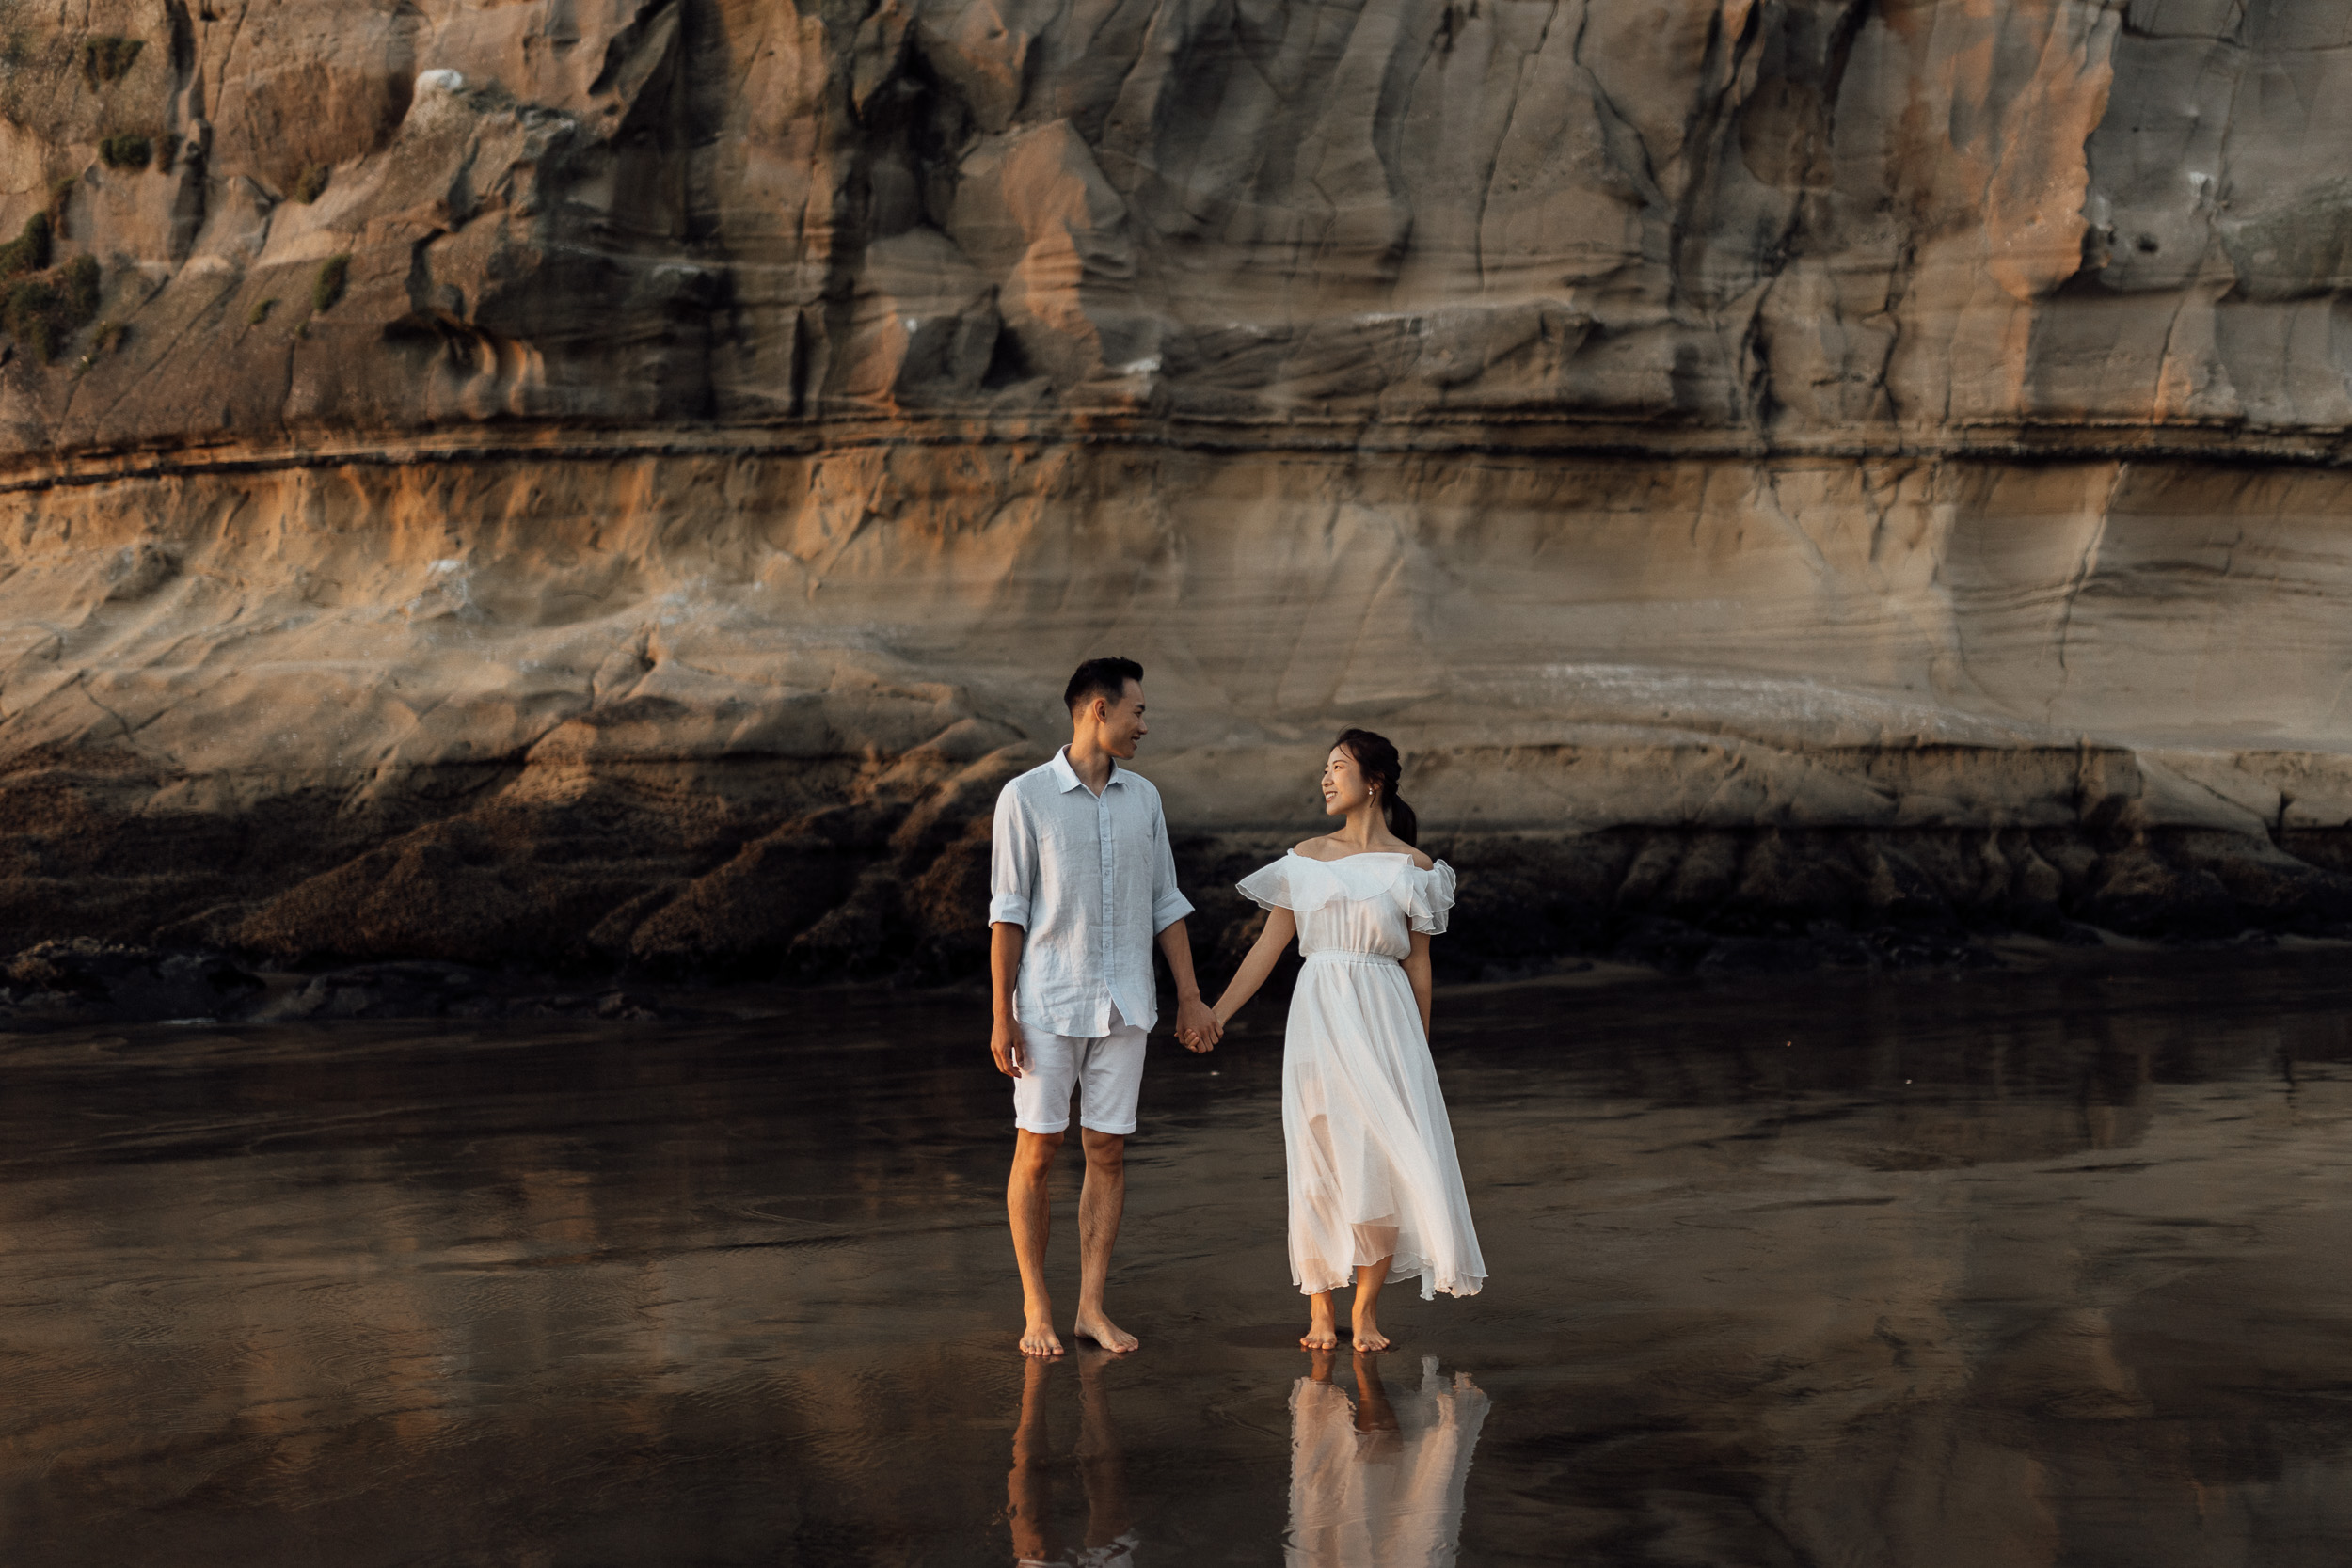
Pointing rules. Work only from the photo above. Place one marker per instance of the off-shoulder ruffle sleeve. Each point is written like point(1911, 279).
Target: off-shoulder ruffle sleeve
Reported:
point(1428, 894)
point(1269, 885)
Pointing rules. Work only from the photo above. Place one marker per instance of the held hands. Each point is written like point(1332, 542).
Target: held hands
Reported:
point(1198, 1028)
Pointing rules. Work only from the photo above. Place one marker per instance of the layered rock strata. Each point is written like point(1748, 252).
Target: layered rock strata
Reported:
point(592, 483)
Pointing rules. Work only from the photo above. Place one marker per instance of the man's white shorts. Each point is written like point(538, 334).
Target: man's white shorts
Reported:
point(1106, 1072)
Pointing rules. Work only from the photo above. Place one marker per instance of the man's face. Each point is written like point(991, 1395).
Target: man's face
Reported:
point(1122, 721)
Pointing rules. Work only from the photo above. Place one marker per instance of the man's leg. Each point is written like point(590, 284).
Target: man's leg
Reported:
point(1110, 1080)
point(1029, 1489)
point(1040, 1108)
point(1101, 1204)
point(1100, 1463)
point(1032, 1211)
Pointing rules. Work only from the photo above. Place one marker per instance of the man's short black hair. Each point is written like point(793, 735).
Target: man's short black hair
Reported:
point(1100, 677)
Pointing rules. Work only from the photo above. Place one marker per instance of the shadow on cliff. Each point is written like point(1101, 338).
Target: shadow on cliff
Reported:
point(650, 877)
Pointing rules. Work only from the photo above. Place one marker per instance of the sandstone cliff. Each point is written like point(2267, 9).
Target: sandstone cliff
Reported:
point(585, 482)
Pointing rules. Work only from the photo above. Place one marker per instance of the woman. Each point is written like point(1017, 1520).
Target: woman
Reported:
point(1375, 1188)
point(1374, 1483)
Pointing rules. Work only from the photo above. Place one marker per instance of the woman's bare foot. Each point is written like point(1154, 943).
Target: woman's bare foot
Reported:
point(1322, 1332)
point(1367, 1334)
point(1105, 1333)
point(1038, 1337)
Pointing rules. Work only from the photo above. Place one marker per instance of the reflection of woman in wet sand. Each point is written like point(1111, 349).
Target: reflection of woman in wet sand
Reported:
point(1375, 1191)
point(1375, 1485)
point(1029, 1489)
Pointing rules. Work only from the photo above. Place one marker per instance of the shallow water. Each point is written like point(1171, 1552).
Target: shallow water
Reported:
point(2000, 1270)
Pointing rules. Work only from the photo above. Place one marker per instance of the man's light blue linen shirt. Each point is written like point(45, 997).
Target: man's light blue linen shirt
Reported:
point(1093, 880)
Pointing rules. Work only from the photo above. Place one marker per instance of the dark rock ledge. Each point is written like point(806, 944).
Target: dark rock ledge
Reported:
point(59, 984)
point(848, 894)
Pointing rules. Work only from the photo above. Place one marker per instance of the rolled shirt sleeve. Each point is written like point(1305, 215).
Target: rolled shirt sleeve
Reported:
point(1012, 862)
point(1168, 906)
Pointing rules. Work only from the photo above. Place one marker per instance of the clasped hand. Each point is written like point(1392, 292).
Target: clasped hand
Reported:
point(1198, 1027)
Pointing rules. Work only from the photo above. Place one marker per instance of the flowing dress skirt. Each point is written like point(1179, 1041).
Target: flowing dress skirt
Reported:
point(1369, 1500)
point(1373, 1172)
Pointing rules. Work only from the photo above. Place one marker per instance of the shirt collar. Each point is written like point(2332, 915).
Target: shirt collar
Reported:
point(1066, 777)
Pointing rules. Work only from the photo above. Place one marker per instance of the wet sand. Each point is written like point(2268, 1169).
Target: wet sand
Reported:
point(1916, 1270)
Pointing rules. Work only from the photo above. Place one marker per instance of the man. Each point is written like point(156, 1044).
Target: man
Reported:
point(1081, 881)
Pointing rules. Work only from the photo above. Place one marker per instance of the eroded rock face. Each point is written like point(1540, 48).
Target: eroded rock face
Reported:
point(601, 483)
point(1792, 219)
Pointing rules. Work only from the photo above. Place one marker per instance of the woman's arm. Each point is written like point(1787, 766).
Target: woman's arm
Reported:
point(1280, 927)
point(1417, 971)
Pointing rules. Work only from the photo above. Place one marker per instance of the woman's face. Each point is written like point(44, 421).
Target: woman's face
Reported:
point(1344, 784)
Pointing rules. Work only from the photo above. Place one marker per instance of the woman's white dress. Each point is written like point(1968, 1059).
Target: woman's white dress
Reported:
point(1373, 1172)
point(1373, 1500)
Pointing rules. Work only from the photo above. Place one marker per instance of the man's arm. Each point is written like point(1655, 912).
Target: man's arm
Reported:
point(1011, 883)
point(1196, 1025)
point(1197, 1028)
point(1004, 969)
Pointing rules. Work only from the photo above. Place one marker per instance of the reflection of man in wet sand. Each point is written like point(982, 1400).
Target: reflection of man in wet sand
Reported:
point(1081, 881)
point(1029, 1489)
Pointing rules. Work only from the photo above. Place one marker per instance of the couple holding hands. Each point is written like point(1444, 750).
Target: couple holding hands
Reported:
point(1082, 883)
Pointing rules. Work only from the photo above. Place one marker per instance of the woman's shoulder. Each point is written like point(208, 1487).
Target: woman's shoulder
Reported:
point(1320, 849)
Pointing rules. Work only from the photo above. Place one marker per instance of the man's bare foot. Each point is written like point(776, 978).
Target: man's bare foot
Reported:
point(1094, 1326)
point(1038, 1337)
point(1367, 1333)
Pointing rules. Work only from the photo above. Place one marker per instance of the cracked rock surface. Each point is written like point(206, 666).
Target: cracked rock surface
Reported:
point(618, 484)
